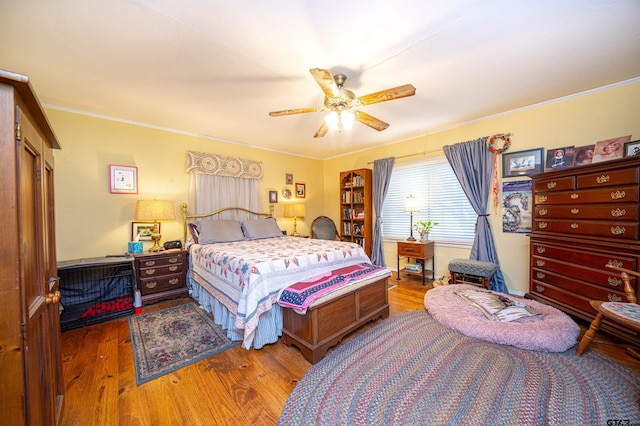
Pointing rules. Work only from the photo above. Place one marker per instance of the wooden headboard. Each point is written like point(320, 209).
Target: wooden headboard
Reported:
point(239, 213)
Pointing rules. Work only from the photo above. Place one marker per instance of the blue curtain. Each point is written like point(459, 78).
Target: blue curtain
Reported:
point(473, 165)
point(381, 176)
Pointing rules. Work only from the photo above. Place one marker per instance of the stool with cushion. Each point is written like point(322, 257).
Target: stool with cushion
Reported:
point(627, 314)
point(474, 272)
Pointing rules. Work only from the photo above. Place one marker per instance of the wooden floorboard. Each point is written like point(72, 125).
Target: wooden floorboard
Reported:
point(237, 386)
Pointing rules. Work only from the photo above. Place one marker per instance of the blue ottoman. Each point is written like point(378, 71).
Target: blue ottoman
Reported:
point(474, 272)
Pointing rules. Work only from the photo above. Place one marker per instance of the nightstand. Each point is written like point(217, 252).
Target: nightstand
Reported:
point(421, 252)
point(161, 275)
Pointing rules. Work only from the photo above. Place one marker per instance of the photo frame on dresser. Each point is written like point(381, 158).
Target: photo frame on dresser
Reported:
point(144, 229)
point(522, 163)
point(631, 149)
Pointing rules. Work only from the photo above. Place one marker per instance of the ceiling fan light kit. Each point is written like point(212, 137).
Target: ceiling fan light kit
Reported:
point(342, 103)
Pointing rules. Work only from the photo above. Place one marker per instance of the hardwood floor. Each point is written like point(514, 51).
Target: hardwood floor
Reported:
point(236, 386)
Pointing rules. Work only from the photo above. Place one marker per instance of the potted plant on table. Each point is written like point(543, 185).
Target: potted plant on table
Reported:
point(424, 227)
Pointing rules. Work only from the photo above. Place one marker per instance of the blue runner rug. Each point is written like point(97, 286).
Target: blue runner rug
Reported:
point(166, 340)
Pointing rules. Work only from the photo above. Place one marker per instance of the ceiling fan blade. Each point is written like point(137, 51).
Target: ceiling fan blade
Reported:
point(326, 81)
point(370, 121)
point(387, 95)
point(293, 111)
point(322, 130)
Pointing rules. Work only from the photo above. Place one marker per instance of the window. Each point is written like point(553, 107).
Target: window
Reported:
point(439, 197)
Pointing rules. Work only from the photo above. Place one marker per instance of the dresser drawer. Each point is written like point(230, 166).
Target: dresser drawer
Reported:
point(559, 184)
point(578, 271)
point(415, 250)
point(623, 194)
point(614, 290)
point(598, 260)
point(619, 230)
point(159, 284)
point(614, 178)
point(160, 270)
point(621, 211)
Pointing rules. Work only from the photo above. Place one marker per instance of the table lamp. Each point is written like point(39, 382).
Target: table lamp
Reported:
point(294, 210)
point(410, 206)
point(155, 210)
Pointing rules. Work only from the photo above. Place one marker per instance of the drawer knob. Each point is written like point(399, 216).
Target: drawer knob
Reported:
point(540, 262)
point(542, 225)
point(575, 211)
point(173, 260)
point(540, 249)
point(552, 185)
point(150, 263)
point(173, 268)
point(614, 298)
point(542, 198)
point(614, 282)
point(617, 195)
point(603, 179)
point(174, 281)
point(618, 212)
point(540, 275)
point(618, 230)
point(575, 225)
point(540, 288)
point(543, 212)
point(149, 271)
point(615, 263)
point(575, 196)
point(152, 284)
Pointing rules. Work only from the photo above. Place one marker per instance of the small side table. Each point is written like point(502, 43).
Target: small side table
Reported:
point(161, 275)
point(420, 251)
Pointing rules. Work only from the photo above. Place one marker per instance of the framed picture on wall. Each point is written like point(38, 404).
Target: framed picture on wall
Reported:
point(522, 163)
point(301, 191)
point(123, 179)
point(273, 197)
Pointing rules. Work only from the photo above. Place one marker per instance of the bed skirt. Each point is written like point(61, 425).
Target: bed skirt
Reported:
point(269, 327)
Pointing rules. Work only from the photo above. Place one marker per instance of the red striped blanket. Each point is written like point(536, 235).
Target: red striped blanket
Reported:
point(301, 294)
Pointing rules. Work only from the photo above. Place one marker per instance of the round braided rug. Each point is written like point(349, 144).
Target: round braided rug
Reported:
point(411, 369)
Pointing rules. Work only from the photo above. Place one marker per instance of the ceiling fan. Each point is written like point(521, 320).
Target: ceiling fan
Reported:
point(343, 103)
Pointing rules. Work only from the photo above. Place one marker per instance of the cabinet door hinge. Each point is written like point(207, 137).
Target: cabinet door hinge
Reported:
point(18, 132)
point(23, 326)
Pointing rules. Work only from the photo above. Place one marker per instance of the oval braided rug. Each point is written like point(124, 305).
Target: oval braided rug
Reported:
point(413, 370)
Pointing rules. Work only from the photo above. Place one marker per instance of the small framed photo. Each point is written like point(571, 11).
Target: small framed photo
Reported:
point(631, 149)
point(273, 197)
point(301, 191)
point(123, 179)
point(289, 179)
point(610, 149)
point(560, 158)
point(522, 163)
point(144, 229)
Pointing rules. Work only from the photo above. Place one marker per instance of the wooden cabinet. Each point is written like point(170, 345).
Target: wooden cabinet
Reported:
point(356, 213)
point(420, 252)
point(31, 388)
point(161, 275)
point(583, 219)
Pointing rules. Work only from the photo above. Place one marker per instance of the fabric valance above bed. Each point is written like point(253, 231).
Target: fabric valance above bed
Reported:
point(204, 163)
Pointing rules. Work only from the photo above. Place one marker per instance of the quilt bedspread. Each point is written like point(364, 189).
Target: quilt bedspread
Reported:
point(250, 274)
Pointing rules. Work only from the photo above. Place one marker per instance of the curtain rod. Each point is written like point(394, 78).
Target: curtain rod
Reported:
point(411, 155)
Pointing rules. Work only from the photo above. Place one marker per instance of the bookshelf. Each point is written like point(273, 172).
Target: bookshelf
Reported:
point(356, 213)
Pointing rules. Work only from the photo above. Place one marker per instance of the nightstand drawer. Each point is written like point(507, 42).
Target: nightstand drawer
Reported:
point(160, 270)
point(415, 250)
point(159, 284)
point(160, 260)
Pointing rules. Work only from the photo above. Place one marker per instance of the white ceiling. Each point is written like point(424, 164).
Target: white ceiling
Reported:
point(217, 67)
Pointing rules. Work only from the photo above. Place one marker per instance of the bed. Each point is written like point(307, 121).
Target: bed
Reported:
point(240, 263)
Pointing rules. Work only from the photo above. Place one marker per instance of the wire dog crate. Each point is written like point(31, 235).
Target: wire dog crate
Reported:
point(95, 290)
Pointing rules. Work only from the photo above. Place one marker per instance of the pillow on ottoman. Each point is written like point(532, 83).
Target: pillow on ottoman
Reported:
point(552, 331)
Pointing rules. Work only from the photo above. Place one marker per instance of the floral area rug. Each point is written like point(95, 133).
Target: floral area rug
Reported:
point(166, 340)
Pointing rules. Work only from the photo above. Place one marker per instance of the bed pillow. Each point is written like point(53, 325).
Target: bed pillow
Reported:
point(219, 231)
point(261, 228)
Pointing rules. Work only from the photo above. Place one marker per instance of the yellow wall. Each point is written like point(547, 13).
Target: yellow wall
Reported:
point(574, 121)
point(92, 222)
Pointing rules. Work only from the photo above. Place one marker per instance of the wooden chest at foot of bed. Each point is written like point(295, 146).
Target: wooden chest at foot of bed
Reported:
point(329, 319)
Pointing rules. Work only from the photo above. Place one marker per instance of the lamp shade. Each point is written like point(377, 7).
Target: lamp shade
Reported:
point(155, 210)
point(294, 210)
point(410, 204)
